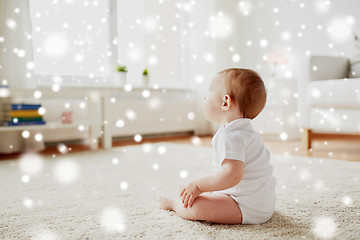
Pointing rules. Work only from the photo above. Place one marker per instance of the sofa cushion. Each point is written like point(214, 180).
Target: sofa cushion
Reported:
point(336, 93)
point(355, 59)
point(325, 120)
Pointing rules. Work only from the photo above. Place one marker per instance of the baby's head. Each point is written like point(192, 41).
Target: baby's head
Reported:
point(246, 88)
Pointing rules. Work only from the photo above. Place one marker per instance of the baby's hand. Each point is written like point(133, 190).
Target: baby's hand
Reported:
point(189, 194)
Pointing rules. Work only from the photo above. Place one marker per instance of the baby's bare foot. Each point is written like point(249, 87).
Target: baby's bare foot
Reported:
point(165, 203)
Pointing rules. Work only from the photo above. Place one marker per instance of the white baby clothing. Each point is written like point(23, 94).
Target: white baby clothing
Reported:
point(255, 193)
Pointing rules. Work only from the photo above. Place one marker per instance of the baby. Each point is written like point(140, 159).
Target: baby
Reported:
point(242, 187)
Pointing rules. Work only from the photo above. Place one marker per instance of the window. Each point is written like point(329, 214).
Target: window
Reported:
point(149, 35)
point(70, 40)
point(78, 42)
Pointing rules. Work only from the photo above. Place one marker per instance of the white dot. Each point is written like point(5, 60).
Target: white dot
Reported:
point(199, 79)
point(245, 7)
point(21, 53)
point(128, 87)
point(62, 148)
point(115, 161)
point(285, 35)
point(10, 23)
point(37, 94)
point(112, 220)
point(153, 60)
point(124, 185)
point(27, 202)
point(130, 114)
point(191, 116)
point(315, 93)
point(82, 105)
point(31, 163)
point(236, 57)
point(248, 43)
point(25, 134)
point(147, 147)
point(183, 174)
point(195, 140)
point(137, 138)
point(55, 87)
point(25, 178)
point(42, 111)
point(66, 171)
point(209, 58)
point(263, 42)
point(288, 74)
point(314, 68)
point(154, 103)
point(120, 123)
point(347, 201)
point(38, 137)
point(146, 93)
point(81, 128)
point(161, 150)
point(339, 30)
point(283, 136)
point(324, 227)
point(156, 166)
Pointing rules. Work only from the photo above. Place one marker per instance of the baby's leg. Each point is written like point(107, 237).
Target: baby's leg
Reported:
point(217, 208)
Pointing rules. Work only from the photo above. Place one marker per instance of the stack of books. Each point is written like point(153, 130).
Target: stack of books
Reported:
point(25, 114)
point(5, 108)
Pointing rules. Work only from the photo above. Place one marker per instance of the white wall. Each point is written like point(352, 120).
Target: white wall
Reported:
point(295, 29)
point(294, 19)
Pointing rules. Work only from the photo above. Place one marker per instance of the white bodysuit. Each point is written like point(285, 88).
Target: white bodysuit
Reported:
point(255, 193)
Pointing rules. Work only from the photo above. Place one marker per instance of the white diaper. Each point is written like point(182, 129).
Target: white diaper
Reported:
point(253, 216)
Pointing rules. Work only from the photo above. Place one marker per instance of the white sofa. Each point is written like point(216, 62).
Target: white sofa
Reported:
point(328, 101)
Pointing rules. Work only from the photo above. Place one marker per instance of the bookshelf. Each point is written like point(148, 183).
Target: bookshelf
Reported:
point(106, 105)
point(25, 95)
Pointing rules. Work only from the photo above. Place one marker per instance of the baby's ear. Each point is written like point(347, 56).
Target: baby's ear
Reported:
point(226, 103)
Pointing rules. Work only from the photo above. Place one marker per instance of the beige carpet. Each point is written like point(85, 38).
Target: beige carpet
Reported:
point(113, 195)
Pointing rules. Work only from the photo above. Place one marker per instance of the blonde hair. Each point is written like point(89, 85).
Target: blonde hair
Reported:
point(247, 89)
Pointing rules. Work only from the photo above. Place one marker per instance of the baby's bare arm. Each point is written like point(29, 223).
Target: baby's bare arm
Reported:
point(230, 174)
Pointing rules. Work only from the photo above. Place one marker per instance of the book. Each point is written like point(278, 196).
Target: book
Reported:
point(25, 113)
point(25, 106)
point(26, 123)
point(26, 119)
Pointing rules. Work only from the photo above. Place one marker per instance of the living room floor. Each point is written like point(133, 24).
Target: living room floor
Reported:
point(340, 147)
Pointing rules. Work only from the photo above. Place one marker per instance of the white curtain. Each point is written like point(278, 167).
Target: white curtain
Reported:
point(15, 44)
